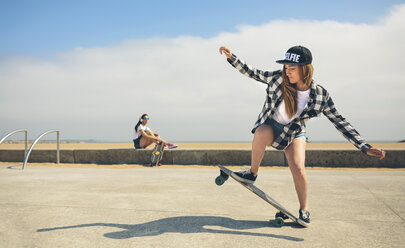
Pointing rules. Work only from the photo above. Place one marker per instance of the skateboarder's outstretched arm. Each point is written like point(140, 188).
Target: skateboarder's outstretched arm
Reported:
point(348, 131)
point(247, 70)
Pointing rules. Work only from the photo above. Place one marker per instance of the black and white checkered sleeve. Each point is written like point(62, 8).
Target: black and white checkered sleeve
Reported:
point(249, 71)
point(343, 126)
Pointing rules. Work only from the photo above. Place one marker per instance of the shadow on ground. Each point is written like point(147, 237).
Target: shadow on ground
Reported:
point(15, 167)
point(184, 224)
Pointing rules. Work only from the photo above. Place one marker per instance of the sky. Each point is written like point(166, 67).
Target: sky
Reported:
point(91, 68)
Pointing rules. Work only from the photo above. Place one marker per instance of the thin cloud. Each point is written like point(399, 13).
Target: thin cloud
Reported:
point(193, 94)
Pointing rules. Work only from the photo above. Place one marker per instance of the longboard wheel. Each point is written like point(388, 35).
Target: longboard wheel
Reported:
point(279, 222)
point(219, 180)
point(224, 175)
point(282, 215)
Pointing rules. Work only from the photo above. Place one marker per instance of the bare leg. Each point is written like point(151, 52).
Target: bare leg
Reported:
point(263, 137)
point(145, 142)
point(295, 154)
point(150, 132)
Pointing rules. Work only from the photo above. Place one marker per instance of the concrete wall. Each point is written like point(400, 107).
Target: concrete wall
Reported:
point(314, 157)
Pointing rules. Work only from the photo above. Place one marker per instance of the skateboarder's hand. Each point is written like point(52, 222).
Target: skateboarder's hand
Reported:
point(376, 153)
point(226, 51)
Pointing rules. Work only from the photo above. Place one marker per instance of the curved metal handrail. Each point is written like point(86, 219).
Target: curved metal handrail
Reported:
point(36, 141)
point(18, 131)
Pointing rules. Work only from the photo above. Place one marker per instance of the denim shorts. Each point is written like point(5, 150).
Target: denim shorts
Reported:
point(278, 129)
point(137, 141)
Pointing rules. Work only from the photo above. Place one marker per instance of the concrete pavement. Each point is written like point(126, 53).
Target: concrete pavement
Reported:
point(182, 207)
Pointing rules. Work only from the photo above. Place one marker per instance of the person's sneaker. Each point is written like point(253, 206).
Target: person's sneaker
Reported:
point(171, 146)
point(304, 218)
point(245, 176)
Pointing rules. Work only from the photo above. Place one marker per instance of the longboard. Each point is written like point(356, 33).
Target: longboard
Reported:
point(279, 220)
point(157, 154)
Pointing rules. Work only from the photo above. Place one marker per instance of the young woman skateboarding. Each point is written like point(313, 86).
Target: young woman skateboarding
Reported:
point(144, 136)
point(292, 98)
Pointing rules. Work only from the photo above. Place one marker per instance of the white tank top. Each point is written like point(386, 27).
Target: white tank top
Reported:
point(281, 115)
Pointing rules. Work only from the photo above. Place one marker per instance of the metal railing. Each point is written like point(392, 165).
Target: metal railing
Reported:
point(18, 131)
point(35, 142)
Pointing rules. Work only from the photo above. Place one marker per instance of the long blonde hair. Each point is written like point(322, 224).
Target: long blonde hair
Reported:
point(290, 90)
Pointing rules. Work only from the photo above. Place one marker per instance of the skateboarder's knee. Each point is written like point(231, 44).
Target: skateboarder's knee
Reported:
point(297, 168)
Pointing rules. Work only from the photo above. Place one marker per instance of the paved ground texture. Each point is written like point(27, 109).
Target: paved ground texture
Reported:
point(182, 207)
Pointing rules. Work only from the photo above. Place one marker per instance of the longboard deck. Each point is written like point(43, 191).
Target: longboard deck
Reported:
point(261, 194)
point(157, 154)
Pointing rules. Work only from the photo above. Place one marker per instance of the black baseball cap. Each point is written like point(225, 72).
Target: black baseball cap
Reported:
point(297, 55)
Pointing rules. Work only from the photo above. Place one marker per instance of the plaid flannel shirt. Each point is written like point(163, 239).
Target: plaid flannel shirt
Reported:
point(319, 102)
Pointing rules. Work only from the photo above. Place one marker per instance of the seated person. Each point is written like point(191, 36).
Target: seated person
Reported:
point(144, 136)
